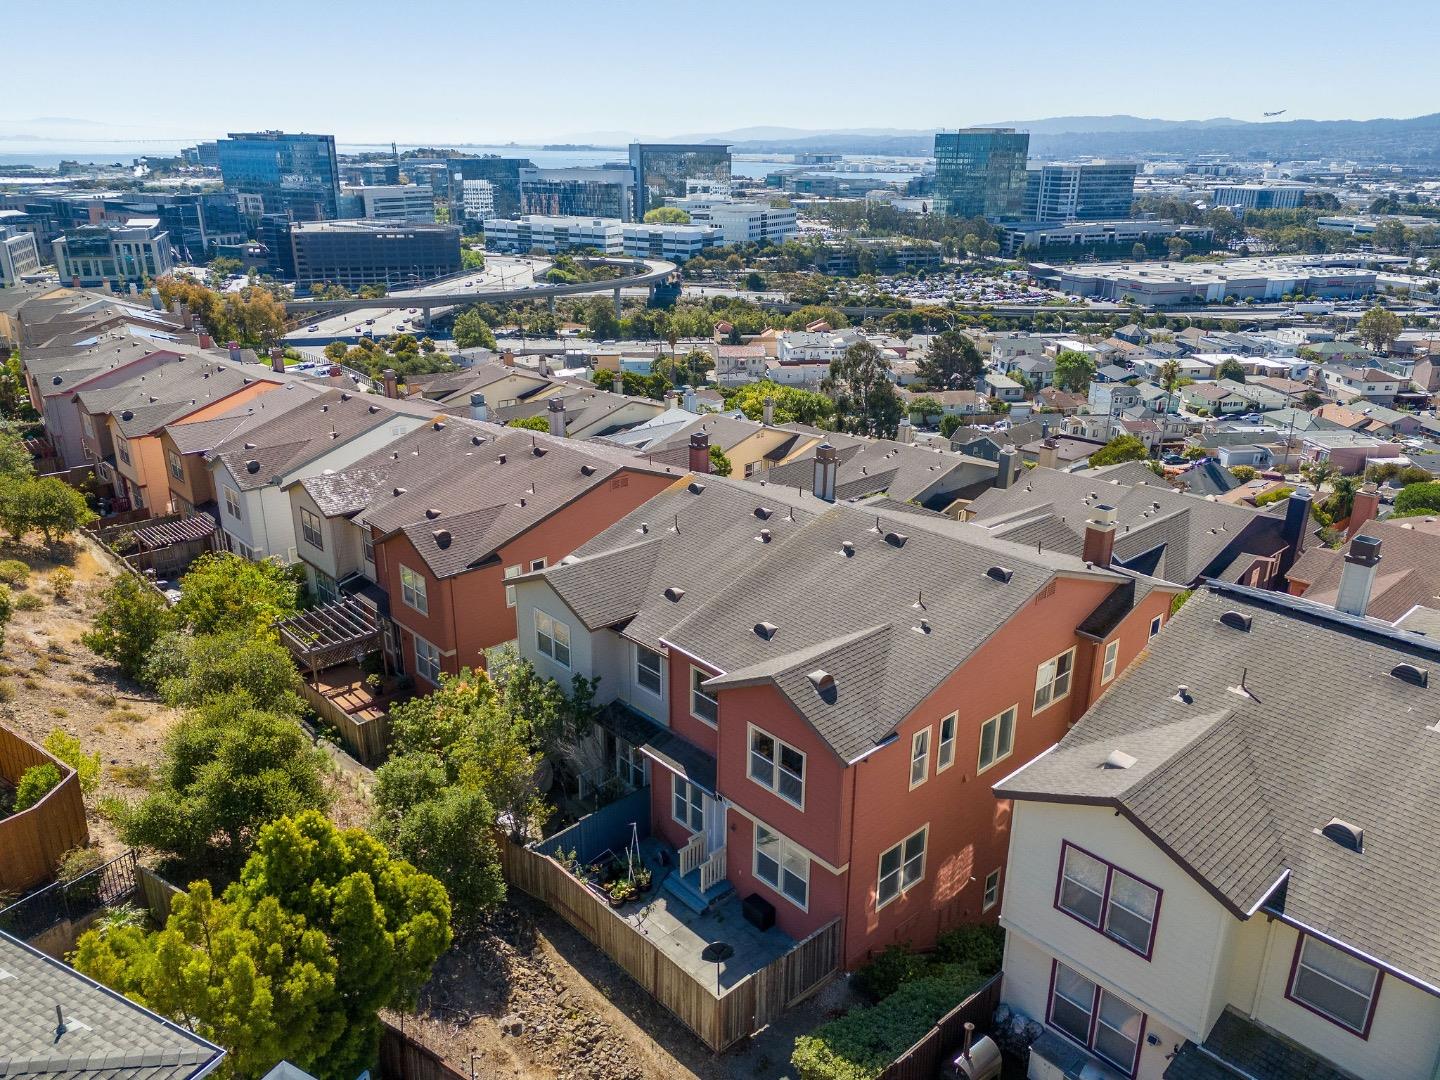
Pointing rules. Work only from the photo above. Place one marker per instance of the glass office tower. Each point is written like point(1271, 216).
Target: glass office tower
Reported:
point(292, 174)
point(980, 172)
point(1093, 191)
point(663, 169)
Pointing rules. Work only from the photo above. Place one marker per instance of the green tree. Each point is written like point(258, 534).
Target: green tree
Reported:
point(1170, 376)
point(603, 379)
point(866, 402)
point(224, 592)
point(15, 461)
point(666, 215)
point(601, 319)
point(1243, 473)
point(1073, 371)
point(1121, 448)
point(949, 424)
point(1231, 368)
point(952, 362)
point(224, 267)
point(44, 504)
point(190, 670)
point(1138, 251)
point(1418, 499)
point(792, 404)
point(68, 748)
point(530, 423)
point(131, 619)
point(719, 463)
point(472, 331)
point(470, 259)
point(35, 783)
point(925, 407)
point(335, 352)
point(1378, 328)
point(1178, 247)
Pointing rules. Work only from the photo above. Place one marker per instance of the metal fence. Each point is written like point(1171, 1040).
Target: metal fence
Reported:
point(106, 886)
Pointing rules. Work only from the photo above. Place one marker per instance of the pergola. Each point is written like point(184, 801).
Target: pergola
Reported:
point(167, 533)
point(339, 633)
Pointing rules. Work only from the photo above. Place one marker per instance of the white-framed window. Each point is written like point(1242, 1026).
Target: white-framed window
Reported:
point(552, 637)
point(88, 423)
point(782, 865)
point(1052, 680)
point(1338, 986)
point(510, 572)
point(310, 529)
point(778, 766)
point(233, 506)
point(1112, 654)
point(997, 738)
point(412, 590)
point(703, 705)
point(1095, 1018)
point(237, 546)
point(688, 806)
point(122, 448)
point(945, 751)
point(1106, 898)
point(367, 545)
point(647, 669)
point(919, 757)
point(901, 868)
point(992, 890)
point(1155, 624)
point(177, 467)
point(537, 564)
point(629, 763)
point(427, 661)
point(325, 588)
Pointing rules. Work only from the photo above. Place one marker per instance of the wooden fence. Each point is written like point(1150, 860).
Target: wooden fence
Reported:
point(718, 1021)
point(401, 1058)
point(367, 740)
point(943, 1041)
point(32, 841)
point(157, 894)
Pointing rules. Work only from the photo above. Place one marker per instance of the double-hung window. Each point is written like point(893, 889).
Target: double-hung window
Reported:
point(510, 572)
point(629, 764)
point(992, 890)
point(997, 738)
point(367, 545)
point(782, 865)
point(647, 669)
point(1107, 899)
point(1112, 653)
point(919, 757)
point(1095, 1018)
point(901, 867)
point(1052, 680)
point(232, 504)
point(1338, 986)
point(778, 766)
point(310, 529)
point(427, 661)
point(703, 705)
point(945, 751)
point(689, 806)
point(177, 467)
point(412, 590)
point(122, 448)
point(552, 638)
point(1155, 625)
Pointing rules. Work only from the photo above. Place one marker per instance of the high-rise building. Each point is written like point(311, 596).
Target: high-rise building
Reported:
point(1094, 191)
point(479, 196)
point(387, 202)
point(980, 172)
point(292, 174)
point(663, 169)
point(356, 253)
point(111, 256)
point(607, 192)
point(503, 174)
point(199, 222)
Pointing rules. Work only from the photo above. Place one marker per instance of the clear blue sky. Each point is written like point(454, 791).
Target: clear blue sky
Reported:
point(478, 70)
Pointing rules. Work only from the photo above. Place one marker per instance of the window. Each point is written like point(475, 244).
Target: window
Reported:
point(122, 448)
point(945, 752)
point(552, 637)
point(997, 738)
point(1112, 653)
point(177, 467)
point(777, 766)
point(1107, 899)
point(900, 868)
point(325, 588)
point(919, 758)
point(689, 805)
point(1155, 625)
point(510, 572)
point(412, 590)
point(427, 661)
point(537, 564)
point(1095, 1018)
point(310, 530)
point(782, 865)
point(1052, 680)
point(1338, 986)
point(992, 890)
point(232, 504)
point(88, 422)
point(647, 669)
point(367, 545)
point(702, 705)
point(629, 763)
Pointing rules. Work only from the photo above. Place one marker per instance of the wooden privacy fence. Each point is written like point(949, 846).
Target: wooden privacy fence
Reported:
point(367, 739)
point(157, 893)
point(719, 1021)
point(32, 841)
point(943, 1041)
point(401, 1058)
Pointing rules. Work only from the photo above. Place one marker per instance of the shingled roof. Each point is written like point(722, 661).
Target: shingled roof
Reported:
point(1408, 574)
point(1292, 715)
point(174, 388)
point(932, 478)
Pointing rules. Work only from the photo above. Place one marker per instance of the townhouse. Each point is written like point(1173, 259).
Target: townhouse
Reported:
point(752, 447)
point(813, 690)
point(1373, 384)
point(444, 519)
point(1397, 569)
point(935, 479)
point(1220, 871)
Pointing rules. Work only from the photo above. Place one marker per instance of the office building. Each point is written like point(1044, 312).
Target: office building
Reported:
point(1106, 238)
point(1168, 285)
point(273, 233)
point(740, 222)
point(554, 234)
point(198, 223)
point(371, 173)
point(113, 256)
point(19, 255)
point(479, 199)
point(503, 174)
point(1259, 196)
point(356, 253)
point(671, 170)
point(980, 172)
point(204, 154)
point(674, 242)
point(290, 174)
point(1098, 191)
point(584, 192)
point(388, 202)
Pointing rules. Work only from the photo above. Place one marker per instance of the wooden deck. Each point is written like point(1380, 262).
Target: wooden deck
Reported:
point(358, 713)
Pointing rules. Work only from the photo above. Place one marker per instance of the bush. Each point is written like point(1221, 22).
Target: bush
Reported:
point(979, 944)
point(1284, 491)
point(882, 976)
point(77, 862)
point(28, 601)
point(132, 619)
point(1418, 499)
point(62, 581)
point(35, 784)
point(14, 572)
point(1243, 473)
point(68, 748)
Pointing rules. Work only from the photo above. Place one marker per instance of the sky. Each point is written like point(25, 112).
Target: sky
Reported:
point(479, 71)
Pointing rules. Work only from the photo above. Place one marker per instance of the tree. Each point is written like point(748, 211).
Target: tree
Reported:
point(1121, 448)
point(949, 424)
point(859, 384)
point(666, 215)
point(719, 463)
point(471, 331)
point(1194, 453)
point(224, 267)
point(952, 362)
point(603, 379)
point(1073, 371)
point(1178, 247)
point(1170, 375)
point(15, 460)
point(600, 317)
point(335, 352)
point(225, 592)
point(131, 619)
point(226, 769)
point(755, 281)
point(1378, 328)
point(1243, 473)
point(68, 748)
point(792, 404)
point(44, 503)
point(35, 783)
point(925, 407)
point(1138, 251)
point(530, 423)
point(1230, 368)
point(1418, 499)
point(190, 670)
point(470, 259)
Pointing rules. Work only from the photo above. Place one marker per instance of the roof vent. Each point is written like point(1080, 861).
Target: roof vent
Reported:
point(127, 415)
point(1236, 620)
point(1118, 759)
point(895, 539)
point(343, 397)
point(765, 630)
point(1000, 574)
point(674, 595)
point(501, 459)
point(923, 628)
point(695, 487)
point(1348, 836)
point(477, 440)
point(644, 526)
point(764, 536)
point(397, 492)
point(432, 513)
point(1415, 676)
point(439, 425)
point(824, 684)
point(847, 547)
point(249, 446)
point(252, 466)
point(587, 470)
point(442, 538)
point(1182, 695)
point(763, 513)
point(538, 451)
point(374, 408)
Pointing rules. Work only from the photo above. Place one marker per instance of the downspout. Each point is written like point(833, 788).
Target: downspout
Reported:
point(455, 626)
point(850, 862)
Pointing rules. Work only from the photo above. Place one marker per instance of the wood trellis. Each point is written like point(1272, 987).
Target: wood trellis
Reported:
point(340, 633)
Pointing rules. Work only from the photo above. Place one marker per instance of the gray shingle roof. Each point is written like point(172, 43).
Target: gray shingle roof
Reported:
point(173, 389)
point(1409, 571)
point(904, 472)
point(201, 435)
point(1238, 1048)
point(1236, 785)
point(106, 1037)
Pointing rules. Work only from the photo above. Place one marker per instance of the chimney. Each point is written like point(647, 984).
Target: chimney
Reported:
point(699, 452)
point(1296, 528)
point(1007, 468)
point(234, 348)
point(507, 357)
point(825, 469)
point(1363, 509)
point(1100, 536)
point(184, 313)
point(277, 359)
point(769, 412)
point(689, 399)
point(1358, 576)
point(672, 399)
point(390, 388)
point(906, 431)
point(557, 417)
point(478, 411)
point(155, 301)
point(1049, 457)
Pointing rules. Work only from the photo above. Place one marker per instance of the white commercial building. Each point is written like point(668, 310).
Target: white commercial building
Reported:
point(1263, 278)
point(479, 198)
point(554, 234)
point(109, 256)
point(390, 202)
point(18, 256)
point(674, 242)
point(740, 222)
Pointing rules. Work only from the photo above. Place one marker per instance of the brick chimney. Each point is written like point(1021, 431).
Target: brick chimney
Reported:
point(478, 411)
point(390, 382)
point(1100, 536)
point(1363, 509)
point(1007, 468)
point(1049, 456)
point(277, 359)
point(557, 417)
point(507, 357)
point(769, 412)
point(1357, 578)
point(826, 466)
point(699, 452)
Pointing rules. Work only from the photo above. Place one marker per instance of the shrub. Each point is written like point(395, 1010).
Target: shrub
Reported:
point(14, 572)
point(131, 619)
point(77, 862)
point(980, 944)
point(1243, 473)
point(69, 749)
point(1275, 495)
point(1418, 499)
point(35, 784)
point(62, 581)
point(28, 601)
point(882, 976)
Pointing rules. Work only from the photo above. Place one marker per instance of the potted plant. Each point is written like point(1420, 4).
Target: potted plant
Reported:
point(621, 891)
point(642, 880)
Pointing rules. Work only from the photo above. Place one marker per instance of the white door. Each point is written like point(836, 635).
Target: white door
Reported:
point(714, 823)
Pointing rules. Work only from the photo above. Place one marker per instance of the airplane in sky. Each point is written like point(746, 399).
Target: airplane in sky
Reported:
point(1278, 112)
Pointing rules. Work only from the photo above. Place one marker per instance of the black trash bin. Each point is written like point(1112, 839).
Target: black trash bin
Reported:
point(758, 911)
